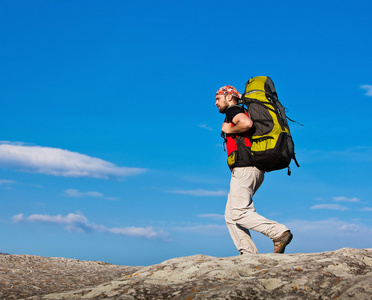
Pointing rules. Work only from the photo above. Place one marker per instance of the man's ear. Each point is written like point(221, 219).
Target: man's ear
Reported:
point(229, 97)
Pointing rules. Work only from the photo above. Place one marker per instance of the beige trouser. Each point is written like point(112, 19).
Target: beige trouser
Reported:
point(240, 214)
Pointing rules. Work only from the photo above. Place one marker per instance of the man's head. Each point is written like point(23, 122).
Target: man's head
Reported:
point(225, 97)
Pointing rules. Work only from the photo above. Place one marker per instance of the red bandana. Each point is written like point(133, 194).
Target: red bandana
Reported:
point(228, 89)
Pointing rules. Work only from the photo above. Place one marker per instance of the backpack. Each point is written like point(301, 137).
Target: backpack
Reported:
point(272, 145)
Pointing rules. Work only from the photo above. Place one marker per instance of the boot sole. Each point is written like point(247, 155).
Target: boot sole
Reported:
point(286, 240)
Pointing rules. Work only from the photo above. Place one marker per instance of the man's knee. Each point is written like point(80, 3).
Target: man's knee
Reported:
point(237, 217)
point(242, 214)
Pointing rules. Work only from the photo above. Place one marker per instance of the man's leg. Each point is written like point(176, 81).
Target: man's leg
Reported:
point(244, 183)
point(240, 236)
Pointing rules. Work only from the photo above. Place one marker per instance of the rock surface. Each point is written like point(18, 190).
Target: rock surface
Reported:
point(341, 274)
point(22, 276)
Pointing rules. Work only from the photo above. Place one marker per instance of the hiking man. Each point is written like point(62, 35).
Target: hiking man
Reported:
point(240, 214)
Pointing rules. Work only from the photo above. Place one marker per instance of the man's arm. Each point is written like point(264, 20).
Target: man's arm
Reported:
point(242, 124)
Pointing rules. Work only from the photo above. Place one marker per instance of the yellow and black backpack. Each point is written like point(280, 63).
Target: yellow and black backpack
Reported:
point(272, 144)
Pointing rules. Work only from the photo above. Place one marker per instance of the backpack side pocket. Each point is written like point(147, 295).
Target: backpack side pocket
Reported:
point(232, 159)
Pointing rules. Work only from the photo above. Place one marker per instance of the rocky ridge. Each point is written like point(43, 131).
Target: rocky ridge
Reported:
point(341, 274)
point(22, 276)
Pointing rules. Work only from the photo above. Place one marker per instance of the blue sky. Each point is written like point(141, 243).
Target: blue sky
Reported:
point(110, 141)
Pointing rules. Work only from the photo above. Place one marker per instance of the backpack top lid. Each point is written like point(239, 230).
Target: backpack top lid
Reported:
point(263, 104)
point(260, 87)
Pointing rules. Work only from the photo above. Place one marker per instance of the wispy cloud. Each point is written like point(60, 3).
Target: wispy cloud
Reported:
point(354, 154)
point(206, 127)
point(4, 182)
point(73, 222)
point(216, 217)
point(199, 192)
point(209, 229)
point(79, 223)
point(15, 143)
point(59, 162)
point(368, 88)
point(329, 206)
point(328, 234)
point(7, 184)
point(367, 208)
point(78, 194)
point(333, 225)
point(345, 199)
point(139, 232)
point(204, 179)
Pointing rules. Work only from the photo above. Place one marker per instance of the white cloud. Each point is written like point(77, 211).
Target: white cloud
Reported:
point(7, 184)
point(349, 227)
point(79, 223)
point(345, 199)
point(3, 181)
point(329, 206)
point(368, 88)
point(59, 162)
point(204, 179)
point(216, 217)
point(206, 127)
point(17, 218)
point(328, 226)
point(327, 235)
point(59, 219)
point(73, 222)
point(147, 232)
point(14, 143)
point(209, 229)
point(367, 209)
point(76, 193)
point(199, 192)
point(357, 154)
point(111, 198)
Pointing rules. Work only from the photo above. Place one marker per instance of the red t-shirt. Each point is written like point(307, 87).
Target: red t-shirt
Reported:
point(231, 146)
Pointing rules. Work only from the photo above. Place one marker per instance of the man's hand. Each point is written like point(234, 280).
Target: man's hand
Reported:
point(226, 127)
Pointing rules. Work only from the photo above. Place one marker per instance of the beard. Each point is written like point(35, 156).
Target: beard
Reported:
point(222, 110)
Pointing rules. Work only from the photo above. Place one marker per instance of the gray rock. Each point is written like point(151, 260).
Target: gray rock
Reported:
point(22, 276)
point(341, 274)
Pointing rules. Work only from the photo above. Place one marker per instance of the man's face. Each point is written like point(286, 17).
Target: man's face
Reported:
point(221, 103)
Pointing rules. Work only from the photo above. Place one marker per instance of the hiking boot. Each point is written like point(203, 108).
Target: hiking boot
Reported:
point(282, 242)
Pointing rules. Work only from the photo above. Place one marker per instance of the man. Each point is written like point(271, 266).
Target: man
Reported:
point(240, 214)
